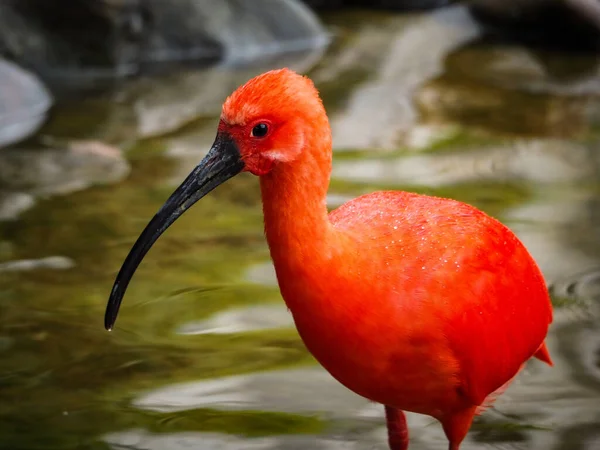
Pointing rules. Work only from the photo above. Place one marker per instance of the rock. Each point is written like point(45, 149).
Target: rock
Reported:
point(325, 4)
point(24, 103)
point(116, 38)
point(50, 262)
point(53, 171)
point(244, 31)
point(387, 4)
point(555, 23)
point(40, 34)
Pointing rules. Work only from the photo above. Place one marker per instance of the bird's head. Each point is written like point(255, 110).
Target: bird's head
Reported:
point(269, 117)
point(266, 122)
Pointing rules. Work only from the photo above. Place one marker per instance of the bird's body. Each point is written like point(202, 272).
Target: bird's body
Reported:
point(417, 294)
point(420, 303)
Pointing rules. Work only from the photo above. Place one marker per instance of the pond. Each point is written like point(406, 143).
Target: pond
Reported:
point(204, 354)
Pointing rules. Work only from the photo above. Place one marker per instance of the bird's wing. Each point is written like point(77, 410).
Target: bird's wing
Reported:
point(501, 316)
point(463, 273)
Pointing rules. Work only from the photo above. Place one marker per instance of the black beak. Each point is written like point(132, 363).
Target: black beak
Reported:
point(222, 162)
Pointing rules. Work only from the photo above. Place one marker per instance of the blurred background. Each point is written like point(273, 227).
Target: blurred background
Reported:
point(105, 105)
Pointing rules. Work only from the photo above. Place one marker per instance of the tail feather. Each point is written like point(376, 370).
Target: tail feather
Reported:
point(543, 354)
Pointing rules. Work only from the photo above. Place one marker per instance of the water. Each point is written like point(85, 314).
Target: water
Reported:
point(204, 354)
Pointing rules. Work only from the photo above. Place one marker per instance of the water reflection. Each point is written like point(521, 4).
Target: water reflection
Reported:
point(205, 355)
point(241, 320)
point(536, 161)
point(140, 440)
point(379, 113)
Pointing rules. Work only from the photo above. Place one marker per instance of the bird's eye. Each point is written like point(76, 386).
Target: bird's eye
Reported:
point(260, 130)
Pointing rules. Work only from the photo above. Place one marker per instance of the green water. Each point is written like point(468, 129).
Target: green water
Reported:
point(162, 379)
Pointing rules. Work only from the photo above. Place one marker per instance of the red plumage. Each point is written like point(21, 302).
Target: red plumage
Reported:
point(429, 305)
point(420, 303)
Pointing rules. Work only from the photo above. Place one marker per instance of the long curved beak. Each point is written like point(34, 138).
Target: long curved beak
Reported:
point(222, 162)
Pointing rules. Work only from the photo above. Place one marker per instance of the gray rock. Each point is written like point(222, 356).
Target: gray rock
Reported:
point(562, 23)
point(24, 103)
point(53, 171)
point(41, 35)
point(116, 38)
point(387, 4)
point(245, 31)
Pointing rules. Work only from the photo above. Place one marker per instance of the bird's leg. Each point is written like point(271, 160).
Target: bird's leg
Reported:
point(397, 428)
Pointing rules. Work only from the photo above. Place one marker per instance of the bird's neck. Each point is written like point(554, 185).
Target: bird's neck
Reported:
point(294, 194)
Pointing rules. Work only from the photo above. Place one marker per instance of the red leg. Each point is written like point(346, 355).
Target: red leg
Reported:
point(397, 429)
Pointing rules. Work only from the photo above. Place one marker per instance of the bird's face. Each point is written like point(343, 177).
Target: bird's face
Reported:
point(263, 140)
point(268, 119)
point(263, 123)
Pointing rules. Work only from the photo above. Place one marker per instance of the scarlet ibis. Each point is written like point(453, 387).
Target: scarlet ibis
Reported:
point(420, 303)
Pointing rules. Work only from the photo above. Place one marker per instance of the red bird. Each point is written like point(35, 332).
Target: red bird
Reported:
point(420, 303)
